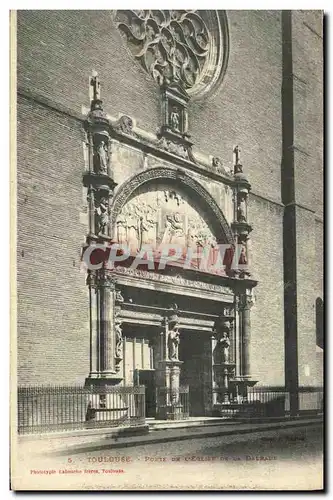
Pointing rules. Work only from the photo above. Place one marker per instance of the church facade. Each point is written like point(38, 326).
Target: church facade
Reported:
point(188, 146)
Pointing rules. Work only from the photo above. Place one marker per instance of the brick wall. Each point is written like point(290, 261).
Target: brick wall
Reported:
point(308, 137)
point(53, 343)
point(267, 313)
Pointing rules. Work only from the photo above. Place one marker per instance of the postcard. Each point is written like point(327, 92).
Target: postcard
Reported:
point(167, 327)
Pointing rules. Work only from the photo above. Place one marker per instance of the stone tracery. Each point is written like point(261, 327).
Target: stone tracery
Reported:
point(171, 45)
point(186, 46)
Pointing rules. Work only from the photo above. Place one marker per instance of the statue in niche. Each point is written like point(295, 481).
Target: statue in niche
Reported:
point(175, 119)
point(241, 210)
point(102, 216)
point(224, 346)
point(102, 157)
point(243, 256)
point(173, 343)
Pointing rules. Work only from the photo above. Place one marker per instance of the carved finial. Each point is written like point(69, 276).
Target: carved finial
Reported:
point(96, 86)
point(237, 151)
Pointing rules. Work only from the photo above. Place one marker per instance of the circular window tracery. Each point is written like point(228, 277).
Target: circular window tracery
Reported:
point(187, 46)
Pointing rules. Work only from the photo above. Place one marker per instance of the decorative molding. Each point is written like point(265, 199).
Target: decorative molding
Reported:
point(186, 46)
point(174, 280)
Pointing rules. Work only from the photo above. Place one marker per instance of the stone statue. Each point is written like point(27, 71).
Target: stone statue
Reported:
point(102, 216)
point(174, 119)
point(225, 346)
point(103, 157)
point(173, 343)
point(241, 214)
point(174, 230)
point(243, 256)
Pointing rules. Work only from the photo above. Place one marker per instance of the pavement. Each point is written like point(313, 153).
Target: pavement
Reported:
point(158, 433)
point(233, 456)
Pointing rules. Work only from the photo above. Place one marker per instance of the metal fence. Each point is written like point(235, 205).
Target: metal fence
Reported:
point(273, 402)
point(55, 408)
point(173, 404)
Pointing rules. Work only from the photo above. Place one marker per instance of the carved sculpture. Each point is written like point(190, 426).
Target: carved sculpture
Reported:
point(241, 211)
point(119, 297)
point(225, 346)
point(102, 216)
point(162, 217)
point(213, 211)
point(170, 45)
point(102, 157)
point(174, 230)
point(175, 120)
point(119, 339)
point(124, 125)
point(217, 165)
point(173, 343)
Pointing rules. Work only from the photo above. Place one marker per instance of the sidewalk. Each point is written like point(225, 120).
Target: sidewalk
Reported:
point(80, 444)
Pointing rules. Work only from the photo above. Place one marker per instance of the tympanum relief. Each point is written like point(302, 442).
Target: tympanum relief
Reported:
point(164, 217)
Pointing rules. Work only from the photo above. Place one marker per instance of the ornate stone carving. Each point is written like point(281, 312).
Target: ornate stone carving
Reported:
point(173, 343)
point(241, 208)
point(221, 331)
point(220, 226)
point(186, 46)
point(174, 148)
point(171, 45)
point(164, 217)
point(101, 157)
point(173, 280)
point(101, 278)
point(119, 298)
point(124, 125)
point(217, 166)
point(118, 340)
point(101, 215)
point(175, 120)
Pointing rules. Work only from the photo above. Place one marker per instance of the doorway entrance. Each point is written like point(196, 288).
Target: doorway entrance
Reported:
point(194, 351)
point(147, 378)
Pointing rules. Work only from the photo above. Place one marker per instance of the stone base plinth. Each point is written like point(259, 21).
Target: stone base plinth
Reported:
point(98, 380)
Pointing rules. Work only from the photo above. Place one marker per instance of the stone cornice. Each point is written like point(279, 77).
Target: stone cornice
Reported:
point(137, 138)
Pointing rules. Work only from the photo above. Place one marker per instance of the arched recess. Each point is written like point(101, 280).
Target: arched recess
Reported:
point(178, 178)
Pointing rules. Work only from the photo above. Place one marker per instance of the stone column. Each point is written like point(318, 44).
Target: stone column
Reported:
point(168, 372)
point(245, 321)
point(104, 324)
point(224, 365)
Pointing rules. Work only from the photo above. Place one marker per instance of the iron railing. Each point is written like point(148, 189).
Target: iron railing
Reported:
point(55, 408)
point(173, 404)
point(272, 402)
